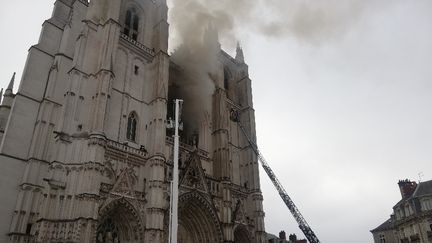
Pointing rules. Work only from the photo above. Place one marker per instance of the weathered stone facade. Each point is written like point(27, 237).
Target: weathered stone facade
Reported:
point(85, 154)
point(411, 221)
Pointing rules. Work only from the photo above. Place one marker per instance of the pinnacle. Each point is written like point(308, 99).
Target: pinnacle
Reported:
point(11, 83)
point(239, 55)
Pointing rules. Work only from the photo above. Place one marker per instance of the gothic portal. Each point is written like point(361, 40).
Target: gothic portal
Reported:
point(85, 151)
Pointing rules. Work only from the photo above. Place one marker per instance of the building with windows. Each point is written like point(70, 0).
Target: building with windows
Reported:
point(85, 151)
point(411, 220)
point(292, 238)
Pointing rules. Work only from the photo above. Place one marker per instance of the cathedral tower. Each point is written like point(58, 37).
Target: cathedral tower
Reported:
point(85, 151)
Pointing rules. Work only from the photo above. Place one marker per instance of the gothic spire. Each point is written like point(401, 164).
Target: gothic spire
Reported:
point(1, 95)
point(239, 54)
point(11, 83)
point(8, 93)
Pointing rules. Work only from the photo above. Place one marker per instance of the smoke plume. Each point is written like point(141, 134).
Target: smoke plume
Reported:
point(310, 21)
point(196, 26)
point(197, 58)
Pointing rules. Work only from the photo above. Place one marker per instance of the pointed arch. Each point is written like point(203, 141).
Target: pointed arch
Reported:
point(227, 78)
point(242, 234)
point(198, 220)
point(132, 125)
point(132, 18)
point(131, 23)
point(119, 221)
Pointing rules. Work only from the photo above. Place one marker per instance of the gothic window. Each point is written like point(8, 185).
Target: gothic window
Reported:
point(136, 69)
point(242, 235)
point(226, 80)
point(132, 126)
point(427, 204)
point(108, 232)
point(28, 229)
point(131, 24)
point(382, 239)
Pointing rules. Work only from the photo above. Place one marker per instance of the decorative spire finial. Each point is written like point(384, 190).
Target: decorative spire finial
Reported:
point(239, 54)
point(11, 83)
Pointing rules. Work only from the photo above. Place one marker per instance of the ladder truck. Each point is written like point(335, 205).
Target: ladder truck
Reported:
point(303, 225)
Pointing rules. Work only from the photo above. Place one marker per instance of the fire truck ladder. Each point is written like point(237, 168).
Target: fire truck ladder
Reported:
point(303, 225)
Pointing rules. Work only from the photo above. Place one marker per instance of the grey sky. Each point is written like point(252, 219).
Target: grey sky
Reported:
point(340, 120)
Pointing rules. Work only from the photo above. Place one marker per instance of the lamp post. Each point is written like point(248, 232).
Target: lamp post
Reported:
point(175, 175)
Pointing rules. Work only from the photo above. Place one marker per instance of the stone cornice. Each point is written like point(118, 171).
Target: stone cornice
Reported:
point(14, 157)
point(144, 51)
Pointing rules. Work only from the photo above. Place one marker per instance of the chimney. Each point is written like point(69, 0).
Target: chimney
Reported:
point(293, 238)
point(282, 235)
point(407, 188)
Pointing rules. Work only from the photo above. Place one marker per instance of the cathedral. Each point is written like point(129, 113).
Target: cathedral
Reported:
point(86, 154)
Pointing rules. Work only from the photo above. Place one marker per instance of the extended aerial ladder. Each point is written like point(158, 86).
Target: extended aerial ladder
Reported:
point(303, 225)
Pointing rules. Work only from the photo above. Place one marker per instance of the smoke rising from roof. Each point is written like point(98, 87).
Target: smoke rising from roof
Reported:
point(197, 56)
point(197, 26)
point(309, 20)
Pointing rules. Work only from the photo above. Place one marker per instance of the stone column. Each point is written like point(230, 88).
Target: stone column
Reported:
point(226, 212)
point(157, 202)
point(222, 165)
point(260, 234)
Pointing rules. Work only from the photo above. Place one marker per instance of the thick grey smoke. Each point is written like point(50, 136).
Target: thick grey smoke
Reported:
point(311, 21)
point(189, 18)
point(197, 25)
point(197, 58)
point(194, 83)
point(194, 38)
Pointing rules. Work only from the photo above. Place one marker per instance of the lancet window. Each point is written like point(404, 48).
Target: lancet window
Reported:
point(382, 239)
point(132, 126)
point(131, 24)
point(226, 80)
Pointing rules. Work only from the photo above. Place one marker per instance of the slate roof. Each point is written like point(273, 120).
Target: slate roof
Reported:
point(387, 225)
point(423, 189)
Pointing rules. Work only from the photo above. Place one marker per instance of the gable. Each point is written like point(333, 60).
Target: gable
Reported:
point(193, 176)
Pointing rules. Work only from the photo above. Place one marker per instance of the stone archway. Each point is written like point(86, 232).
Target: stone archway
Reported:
point(242, 235)
point(119, 223)
point(198, 221)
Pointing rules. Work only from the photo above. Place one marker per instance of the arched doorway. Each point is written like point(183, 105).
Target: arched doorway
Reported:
point(197, 221)
point(241, 235)
point(119, 223)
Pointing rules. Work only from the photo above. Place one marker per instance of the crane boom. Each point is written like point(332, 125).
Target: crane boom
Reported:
point(303, 225)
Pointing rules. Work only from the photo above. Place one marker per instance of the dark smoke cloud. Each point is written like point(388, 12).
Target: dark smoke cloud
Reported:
point(197, 57)
point(196, 46)
point(189, 18)
point(196, 27)
point(309, 20)
point(194, 84)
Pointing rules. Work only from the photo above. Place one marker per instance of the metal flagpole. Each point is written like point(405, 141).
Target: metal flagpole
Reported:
point(175, 181)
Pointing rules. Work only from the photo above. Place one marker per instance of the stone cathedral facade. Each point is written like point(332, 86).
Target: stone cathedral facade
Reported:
point(85, 152)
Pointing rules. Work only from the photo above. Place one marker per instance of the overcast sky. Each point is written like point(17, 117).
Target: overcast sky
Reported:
point(340, 120)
